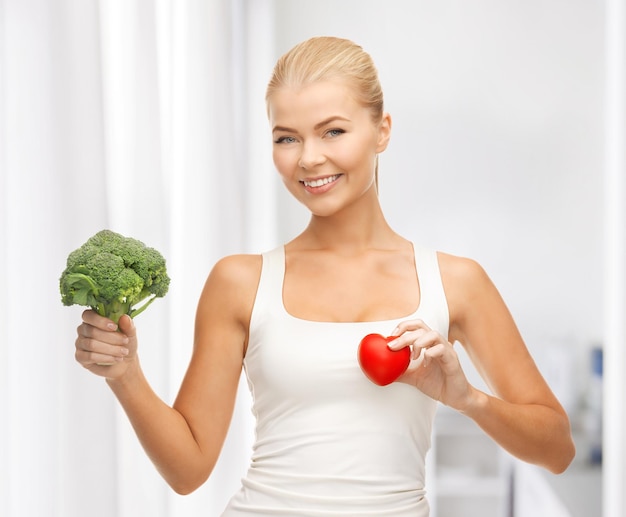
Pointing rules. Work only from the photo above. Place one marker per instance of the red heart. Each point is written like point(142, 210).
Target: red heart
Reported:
point(380, 364)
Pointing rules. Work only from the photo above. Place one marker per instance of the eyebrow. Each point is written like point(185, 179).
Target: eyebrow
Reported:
point(323, 123)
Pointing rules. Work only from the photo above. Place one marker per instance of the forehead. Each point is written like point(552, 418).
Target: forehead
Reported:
point(312, 103)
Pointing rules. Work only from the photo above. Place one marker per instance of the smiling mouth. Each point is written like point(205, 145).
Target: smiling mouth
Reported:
point(320, 182)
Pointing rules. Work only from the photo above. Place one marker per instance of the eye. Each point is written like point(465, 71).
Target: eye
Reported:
point(334, 132)
point(285, 140)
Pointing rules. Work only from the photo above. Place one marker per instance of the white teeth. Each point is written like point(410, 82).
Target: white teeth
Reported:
point(320, 182)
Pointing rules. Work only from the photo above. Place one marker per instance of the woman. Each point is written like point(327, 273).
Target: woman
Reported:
point(329, 441)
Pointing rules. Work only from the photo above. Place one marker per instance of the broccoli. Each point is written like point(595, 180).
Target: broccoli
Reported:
point(113, 274)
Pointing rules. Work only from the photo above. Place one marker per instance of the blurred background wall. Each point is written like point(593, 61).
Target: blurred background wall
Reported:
point(147, 116)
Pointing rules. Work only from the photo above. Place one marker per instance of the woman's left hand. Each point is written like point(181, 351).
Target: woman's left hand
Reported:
point(435, 368)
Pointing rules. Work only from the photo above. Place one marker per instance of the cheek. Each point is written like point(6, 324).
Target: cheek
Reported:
point(283, 161)
point(358, 151)
point(357, 158)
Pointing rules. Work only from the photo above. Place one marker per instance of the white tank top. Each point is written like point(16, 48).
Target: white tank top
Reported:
point(329, 442)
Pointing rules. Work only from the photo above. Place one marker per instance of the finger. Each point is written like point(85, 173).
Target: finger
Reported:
point(433, 353)
point(127, 326)
point(93, 341)
point(87, 331)
point(94, 319)
point(404, 339)
point(407, 332)
point(419, 338)
point(423, 340)
point(98, 356)
point(427, 338)
point(408, 325)
point(90, 359)
point(89, 344)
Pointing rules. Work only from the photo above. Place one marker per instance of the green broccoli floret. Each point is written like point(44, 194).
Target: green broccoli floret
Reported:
point(114, 275)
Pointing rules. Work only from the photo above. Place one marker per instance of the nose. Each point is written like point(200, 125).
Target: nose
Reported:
point(311, 156)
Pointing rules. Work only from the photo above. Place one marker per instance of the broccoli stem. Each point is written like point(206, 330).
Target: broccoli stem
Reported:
point(139, 310)
point(114, 310)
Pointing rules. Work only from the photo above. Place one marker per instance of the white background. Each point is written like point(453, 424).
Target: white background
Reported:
point(148, 117)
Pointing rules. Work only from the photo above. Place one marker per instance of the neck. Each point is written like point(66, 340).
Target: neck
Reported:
point(356, 228)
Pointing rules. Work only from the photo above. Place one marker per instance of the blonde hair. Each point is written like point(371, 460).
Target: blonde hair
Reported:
point(326, 58)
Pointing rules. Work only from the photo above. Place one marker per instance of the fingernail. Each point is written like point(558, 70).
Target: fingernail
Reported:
point(124, 351)
point(111, 326)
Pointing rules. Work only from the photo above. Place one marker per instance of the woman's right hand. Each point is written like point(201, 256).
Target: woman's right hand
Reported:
point(104, 348)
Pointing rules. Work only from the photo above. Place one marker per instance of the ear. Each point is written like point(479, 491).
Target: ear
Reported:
point(384, 133)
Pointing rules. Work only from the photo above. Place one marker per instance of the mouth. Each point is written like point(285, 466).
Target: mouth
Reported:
point(320, 182)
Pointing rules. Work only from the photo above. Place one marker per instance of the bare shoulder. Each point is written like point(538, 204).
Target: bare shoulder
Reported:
point(461, 273)
point(238, 271)
point(470, 293)
point(230, 289)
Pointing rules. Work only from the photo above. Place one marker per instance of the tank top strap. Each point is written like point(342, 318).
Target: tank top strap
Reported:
point(432, 295)
point(270, 290)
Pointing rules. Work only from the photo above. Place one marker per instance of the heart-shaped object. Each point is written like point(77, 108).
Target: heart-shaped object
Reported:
point(380, 364)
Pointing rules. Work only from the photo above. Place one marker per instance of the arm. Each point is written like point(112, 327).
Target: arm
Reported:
point(183, 441)
point(522, 415)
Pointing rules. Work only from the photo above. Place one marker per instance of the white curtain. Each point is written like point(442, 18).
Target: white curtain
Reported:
point(136, 116)
point(614, 466)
